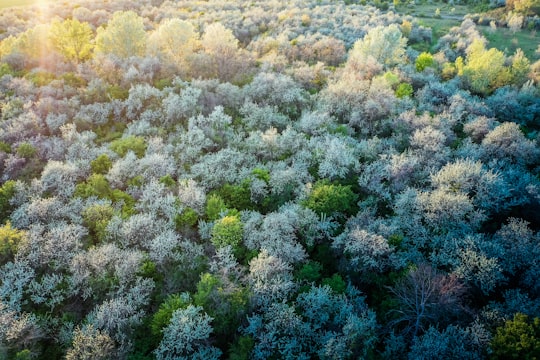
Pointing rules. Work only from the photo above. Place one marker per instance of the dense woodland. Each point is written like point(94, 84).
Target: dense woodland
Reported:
point(265, 180)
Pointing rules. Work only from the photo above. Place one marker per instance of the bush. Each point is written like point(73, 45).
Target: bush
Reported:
point(6, 193)
point(424, 60)
point(133, 143)
point(10, 238)
point(330, 199)
point(404, 90)
point(517, 339)
point(101, 164)
point(26, 150)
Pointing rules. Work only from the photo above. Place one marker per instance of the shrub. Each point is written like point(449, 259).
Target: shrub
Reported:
point(517, 339)
point(329, 199)
point(133, 143)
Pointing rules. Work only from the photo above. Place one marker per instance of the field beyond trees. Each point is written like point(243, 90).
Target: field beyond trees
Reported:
point(309, 179)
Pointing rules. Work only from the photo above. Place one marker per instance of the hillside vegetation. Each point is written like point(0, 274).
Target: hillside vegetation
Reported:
point(306, 179)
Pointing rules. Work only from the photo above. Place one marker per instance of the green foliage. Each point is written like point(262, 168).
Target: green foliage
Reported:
point(391, 78)
point(241, 348)
point(404, 90)
point(5, 147)
point(485, 70)
point(116, 92)
point(96, 185)
point(136, 181)
point(214, 207)
point(164, 314)
point(520, 68)
point(26, 150)
point(229, 230)
point(424, 60)
point(262, 174)
point(72, 39)
point(24, 355)
point(73, 80)
point(163, 83)
point(329, 199)
point(7, 191)
point(5, 69)
point(129, 143)
point(336, 283)
point(517, 339)
point(188, 218)
point(96, 217)
point(40, 78)
point(101, 165)
point(226, 303)
point(310, 272)
point(236, 196)
point(168, 181)
point(10, 239)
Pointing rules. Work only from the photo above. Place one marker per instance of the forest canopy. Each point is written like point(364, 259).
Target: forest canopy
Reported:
point(267, 180)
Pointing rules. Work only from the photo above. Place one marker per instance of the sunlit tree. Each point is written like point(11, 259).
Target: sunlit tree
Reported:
point(124, 35)
point(72, 38)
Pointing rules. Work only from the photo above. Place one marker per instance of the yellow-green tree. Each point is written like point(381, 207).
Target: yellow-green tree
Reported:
point(33, 43)
point(124, 36)
point(484, 69)
point(72, 39)
point(174, 41)
point(10, 239)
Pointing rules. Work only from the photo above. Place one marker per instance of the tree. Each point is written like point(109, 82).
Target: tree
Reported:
point(186, 336)
point(10, 239)
point(424, 297)
point(90, 344)
point(223, 54)
point(72, 39)
point(384, 43)
point(508, 143)
point(175, 41)
point(453, 343)
point(329, 199)
point(423, 61)
point(123, 37)
point(228, 231)
point(518, 338)
point(484, 69)
point(7, 191)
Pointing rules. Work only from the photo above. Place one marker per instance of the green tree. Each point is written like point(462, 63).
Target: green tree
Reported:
point(96, 218)
point(517, 339)
point(223, 300)
point(484, 69)
point(124, 35)
point(165, 312)
point(133, 143)
point(229, 230)
point(72, 39)
point(7, 190)
point(10, 239)
point(520, 68)
point(101, 165)
point(424, 60)
point(330, 199)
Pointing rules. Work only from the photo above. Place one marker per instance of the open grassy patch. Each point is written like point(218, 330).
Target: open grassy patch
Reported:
point(506, 41)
